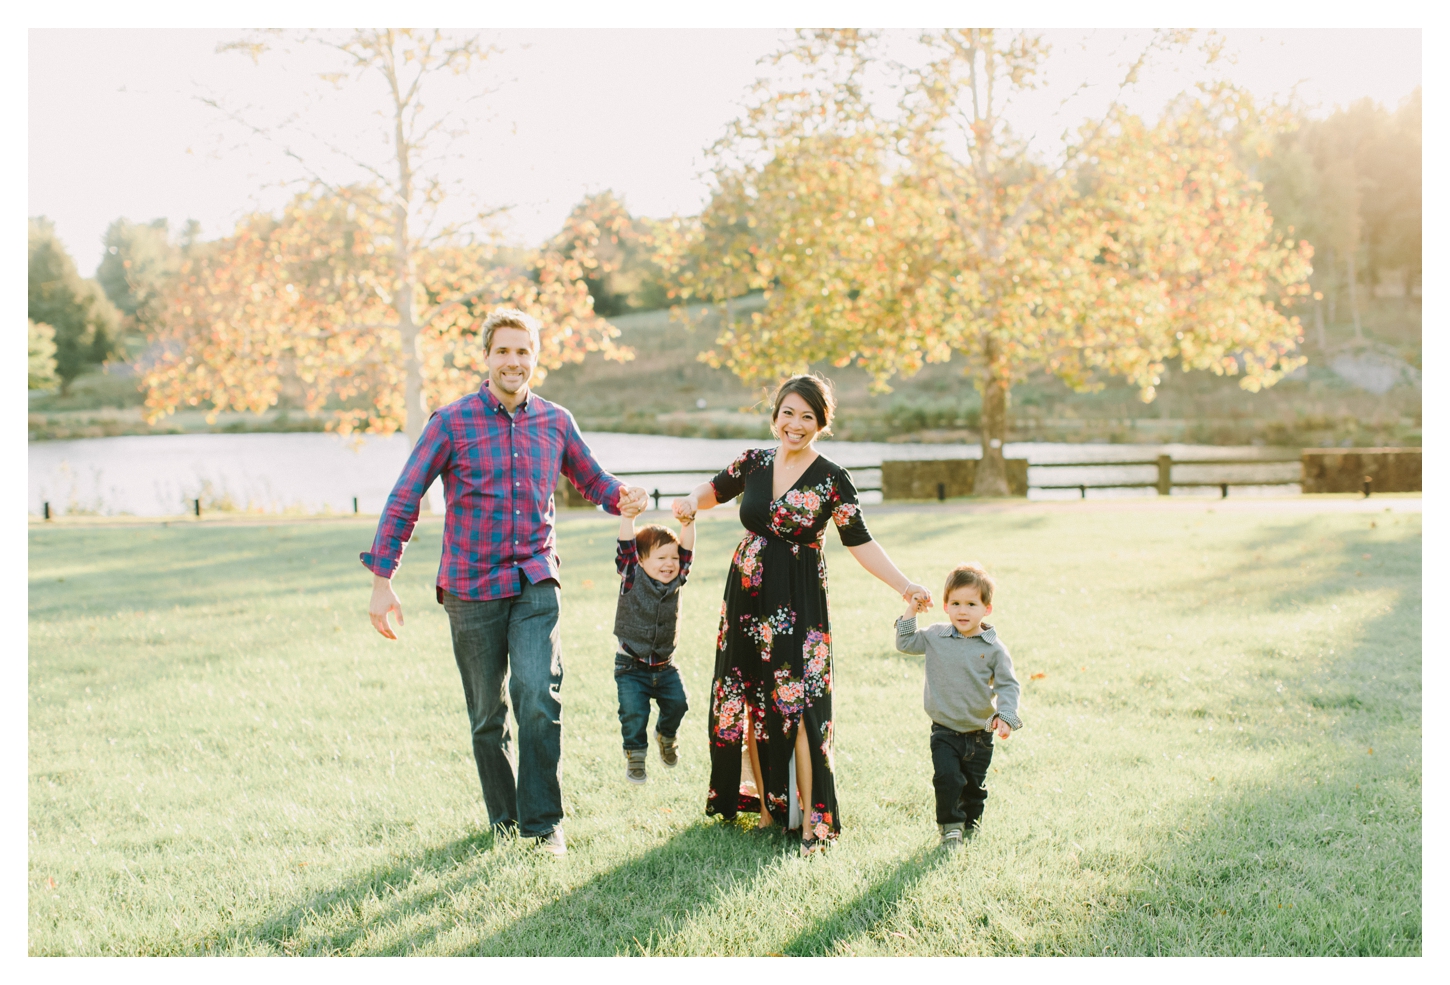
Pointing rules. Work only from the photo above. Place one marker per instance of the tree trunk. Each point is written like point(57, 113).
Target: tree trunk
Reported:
point(1353, 296)
point(992, 469)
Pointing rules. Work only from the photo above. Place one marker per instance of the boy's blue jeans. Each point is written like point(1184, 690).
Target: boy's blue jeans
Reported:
point(959, 763)
point(636, 686)
point(515, 639)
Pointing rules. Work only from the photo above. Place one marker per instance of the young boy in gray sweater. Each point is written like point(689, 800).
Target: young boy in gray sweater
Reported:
point(653, 566)
point(967, 667)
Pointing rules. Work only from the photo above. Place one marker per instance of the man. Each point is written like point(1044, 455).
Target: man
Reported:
point(500, 452)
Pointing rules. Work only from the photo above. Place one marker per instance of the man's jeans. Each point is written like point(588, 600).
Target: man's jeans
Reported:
point(959, 773)
point(636, 685)
point(517, 637)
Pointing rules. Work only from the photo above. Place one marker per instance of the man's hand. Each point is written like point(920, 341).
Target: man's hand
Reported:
point(1004, 731)
point(384, 600)
point(634, 497)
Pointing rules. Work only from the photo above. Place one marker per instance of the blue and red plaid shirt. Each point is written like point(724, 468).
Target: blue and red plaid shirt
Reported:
point(499, 475)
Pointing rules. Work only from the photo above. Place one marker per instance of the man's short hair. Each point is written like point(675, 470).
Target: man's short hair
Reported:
point(509, 318)
point(970, 575)
point(650, 536)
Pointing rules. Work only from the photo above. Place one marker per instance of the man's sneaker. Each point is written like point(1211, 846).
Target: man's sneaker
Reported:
point(634, 766)
point(951, 835)
point(553, 842)
point(669, 748)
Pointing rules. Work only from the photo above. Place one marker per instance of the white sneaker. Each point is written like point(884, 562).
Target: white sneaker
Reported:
point(553, 843)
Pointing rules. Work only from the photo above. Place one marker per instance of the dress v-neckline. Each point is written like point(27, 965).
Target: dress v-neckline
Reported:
point(774, 454)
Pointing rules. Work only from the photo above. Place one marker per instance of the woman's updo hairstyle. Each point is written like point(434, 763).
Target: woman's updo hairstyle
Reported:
point(818, 394)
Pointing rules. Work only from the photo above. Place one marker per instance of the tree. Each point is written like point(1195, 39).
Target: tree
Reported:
point(421, 282)
point(297, 301)
point(138, 264)
point(42, 356)
point(1351, 184)
point(83, 321)
point(620, 270)
point(888, 239)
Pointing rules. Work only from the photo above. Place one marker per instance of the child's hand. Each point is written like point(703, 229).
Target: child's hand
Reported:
point(1004, 731)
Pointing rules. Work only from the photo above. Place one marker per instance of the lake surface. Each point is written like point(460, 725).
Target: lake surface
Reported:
point(160, 475)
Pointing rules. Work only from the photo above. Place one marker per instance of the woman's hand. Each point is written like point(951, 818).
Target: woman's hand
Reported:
point(684, 508)
point(918, 595)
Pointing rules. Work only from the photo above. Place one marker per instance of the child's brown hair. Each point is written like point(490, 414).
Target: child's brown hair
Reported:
point(652, 535)
point(970, 575)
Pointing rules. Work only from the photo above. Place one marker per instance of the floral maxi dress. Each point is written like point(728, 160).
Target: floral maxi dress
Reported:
point(773, 653)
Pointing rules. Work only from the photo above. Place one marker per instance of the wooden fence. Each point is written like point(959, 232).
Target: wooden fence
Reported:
point(1363, 470)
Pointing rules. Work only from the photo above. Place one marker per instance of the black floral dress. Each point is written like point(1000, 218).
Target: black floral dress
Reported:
point(773, 654)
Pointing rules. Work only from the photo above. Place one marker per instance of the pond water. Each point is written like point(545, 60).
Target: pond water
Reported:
point(160, 475)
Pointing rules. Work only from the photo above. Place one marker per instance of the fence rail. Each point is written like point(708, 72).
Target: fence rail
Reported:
point(1164, 482)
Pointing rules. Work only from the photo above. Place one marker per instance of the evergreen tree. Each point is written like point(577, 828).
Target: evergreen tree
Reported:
point(83, 319)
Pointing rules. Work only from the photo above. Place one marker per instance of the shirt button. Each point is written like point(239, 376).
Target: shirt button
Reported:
point(516, 512)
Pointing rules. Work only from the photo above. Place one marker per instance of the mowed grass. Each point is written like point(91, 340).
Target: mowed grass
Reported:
point(1222, 753)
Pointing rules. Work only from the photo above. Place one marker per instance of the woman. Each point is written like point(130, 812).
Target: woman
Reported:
point(772, 684)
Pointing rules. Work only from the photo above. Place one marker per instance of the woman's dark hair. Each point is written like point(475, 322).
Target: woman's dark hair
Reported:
point(816, 391)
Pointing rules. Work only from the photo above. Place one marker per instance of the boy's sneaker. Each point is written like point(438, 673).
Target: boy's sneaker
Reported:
point(634, 766)
point(951, 835)
point(669, 749)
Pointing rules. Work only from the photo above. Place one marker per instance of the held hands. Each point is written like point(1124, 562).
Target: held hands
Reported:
point(684, 509)
point(917, 597)
point(633, 498)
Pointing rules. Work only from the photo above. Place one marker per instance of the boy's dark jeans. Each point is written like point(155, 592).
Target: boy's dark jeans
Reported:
point(636, 686)
point(959, 773)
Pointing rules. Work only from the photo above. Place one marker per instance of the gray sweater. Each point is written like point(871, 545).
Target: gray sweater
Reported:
point(963, 674)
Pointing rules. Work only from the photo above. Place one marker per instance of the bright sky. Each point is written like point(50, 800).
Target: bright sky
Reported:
point(116, 127)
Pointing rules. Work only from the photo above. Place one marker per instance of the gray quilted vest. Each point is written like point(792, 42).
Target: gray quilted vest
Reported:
point(646, 621)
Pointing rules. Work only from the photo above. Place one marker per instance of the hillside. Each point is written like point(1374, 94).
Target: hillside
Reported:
point(1329, 402)
point(660, 390)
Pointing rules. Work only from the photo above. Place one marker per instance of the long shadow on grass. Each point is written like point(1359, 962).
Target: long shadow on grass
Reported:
point(302, 929)
point(647, 899)
point(867, 911)
point(1327, 863)
point(619, 911)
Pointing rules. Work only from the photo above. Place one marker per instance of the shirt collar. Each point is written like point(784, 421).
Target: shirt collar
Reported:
point(987, 633)
point(491, 399)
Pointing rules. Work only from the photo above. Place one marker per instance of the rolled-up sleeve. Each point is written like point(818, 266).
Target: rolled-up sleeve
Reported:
point(596, 485)
point(400, 514)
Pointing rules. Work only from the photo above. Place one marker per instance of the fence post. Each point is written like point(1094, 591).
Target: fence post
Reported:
point(941, 492)
point(196, 506)
point(1368, 481)
point(1224, 487)
point(1082, 492)
point(45, 510)
point(1165, 475)
point(656, 495)
point(354, 504)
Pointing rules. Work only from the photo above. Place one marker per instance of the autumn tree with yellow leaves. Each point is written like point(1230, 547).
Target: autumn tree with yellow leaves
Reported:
point(889, 238)
point(358, 293)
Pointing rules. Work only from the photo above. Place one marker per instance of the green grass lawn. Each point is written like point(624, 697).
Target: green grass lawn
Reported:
point(1222, 753)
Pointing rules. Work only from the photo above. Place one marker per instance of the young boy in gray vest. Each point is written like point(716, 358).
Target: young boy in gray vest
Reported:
point(653, 566)
point(970, 693)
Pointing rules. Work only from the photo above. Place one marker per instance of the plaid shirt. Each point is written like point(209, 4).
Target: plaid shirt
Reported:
point(499, 475)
